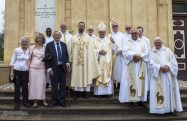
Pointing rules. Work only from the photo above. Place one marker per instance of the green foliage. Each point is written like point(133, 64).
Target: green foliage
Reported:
point(1, 46)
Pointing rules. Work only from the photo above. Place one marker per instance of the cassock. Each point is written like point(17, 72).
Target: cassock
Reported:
point(85, 66)
point(93, 37)
point(134, 81)
point(48, 39)
point(127, 36)
point(118, 58)
point(147, 42)
point(103, 84)
point(164, 88)
point(67, 38)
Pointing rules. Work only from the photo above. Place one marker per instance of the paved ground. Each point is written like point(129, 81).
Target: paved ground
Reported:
point(182, 84)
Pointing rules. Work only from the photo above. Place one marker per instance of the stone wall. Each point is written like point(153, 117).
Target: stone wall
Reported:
point(154, 15)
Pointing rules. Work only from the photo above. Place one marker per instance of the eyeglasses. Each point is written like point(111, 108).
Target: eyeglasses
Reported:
point(115, 26)
point(134, 33)
point(128, 28)
point(90, 30)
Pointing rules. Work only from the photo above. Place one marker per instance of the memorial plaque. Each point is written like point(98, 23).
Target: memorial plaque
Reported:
point(45, 15)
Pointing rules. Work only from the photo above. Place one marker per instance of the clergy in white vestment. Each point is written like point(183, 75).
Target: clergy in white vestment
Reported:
point(144, 38)
point(49, 37)
point(103, 46)
point(117, 39)
point(127, 33)
point(164, 88)
point(66, 37)
point(134, 81)
point(90, 32)
point(85, 66)
point(147, 41)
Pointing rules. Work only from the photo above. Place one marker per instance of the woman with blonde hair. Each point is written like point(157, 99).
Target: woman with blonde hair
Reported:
point(37, 73)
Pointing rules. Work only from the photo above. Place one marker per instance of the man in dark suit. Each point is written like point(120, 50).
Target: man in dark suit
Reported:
point(57, 66)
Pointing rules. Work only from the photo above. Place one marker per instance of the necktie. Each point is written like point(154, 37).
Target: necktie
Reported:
point(59, 52)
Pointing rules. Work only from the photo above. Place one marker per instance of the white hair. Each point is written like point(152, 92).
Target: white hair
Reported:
point(91, 27)
point(158, 38)
point(24, 38)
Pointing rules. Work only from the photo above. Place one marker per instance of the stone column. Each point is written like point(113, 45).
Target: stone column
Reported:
point(11, 28)
point(165, 22)
point(30, 19)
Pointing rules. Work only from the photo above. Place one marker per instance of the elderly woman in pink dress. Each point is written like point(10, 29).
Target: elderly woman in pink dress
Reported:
point(37, 74)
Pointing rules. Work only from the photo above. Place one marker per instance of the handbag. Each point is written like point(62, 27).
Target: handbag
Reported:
point(47, 57)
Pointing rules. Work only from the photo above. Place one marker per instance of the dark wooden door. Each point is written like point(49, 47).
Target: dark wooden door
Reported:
point(180, 40)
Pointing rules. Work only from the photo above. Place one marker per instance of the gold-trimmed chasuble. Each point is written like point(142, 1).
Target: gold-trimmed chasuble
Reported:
point(81, 45)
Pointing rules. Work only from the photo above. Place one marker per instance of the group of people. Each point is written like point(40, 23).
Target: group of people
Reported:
point(87, 63)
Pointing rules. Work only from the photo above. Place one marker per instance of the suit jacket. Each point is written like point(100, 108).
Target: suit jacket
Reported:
point(52, 62)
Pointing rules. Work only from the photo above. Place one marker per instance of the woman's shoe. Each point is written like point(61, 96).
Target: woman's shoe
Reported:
point(35, 105)
point(45, 104)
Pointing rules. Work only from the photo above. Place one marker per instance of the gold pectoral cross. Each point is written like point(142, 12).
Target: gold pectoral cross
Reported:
point(142, 77)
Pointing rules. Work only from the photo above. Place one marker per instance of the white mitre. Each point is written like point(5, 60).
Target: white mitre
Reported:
point(101, 27)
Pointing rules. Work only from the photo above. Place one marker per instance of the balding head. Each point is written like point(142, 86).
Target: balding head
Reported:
point(115, 26)
point(63, 27)
point(90, 30)
point(134, 34)
point(158, 42)
point(128, 29)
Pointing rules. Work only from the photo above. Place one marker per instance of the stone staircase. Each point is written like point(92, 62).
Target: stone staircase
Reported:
point(85, 109)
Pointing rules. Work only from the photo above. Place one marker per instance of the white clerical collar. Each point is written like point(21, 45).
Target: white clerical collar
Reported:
point(92, 36)
point(101, 39)
point(80, 34)
point(158, 50)
point(65, 32)
point(115, 32)
point(49, 37)
point(135, 40)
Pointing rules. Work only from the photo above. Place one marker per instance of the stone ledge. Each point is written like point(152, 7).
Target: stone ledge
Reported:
point(4, 73)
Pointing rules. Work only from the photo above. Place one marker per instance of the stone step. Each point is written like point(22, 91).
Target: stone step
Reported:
point(91, 100)
point(48, 92)
point(82, 108)
point(95, 117)
point(76, 109)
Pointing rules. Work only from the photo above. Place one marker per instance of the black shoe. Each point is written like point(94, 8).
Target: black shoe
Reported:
point(47, 85)
point(141, 104)
point(173, 113)
point(27, 105)
point(76, 95)
point(52, 104)
point(16, 107)
point(86, 95)
point(63, 104)
point(131, 105)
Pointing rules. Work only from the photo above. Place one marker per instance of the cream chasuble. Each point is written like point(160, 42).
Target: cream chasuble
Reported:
point(85, 67)
point(103, 84)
